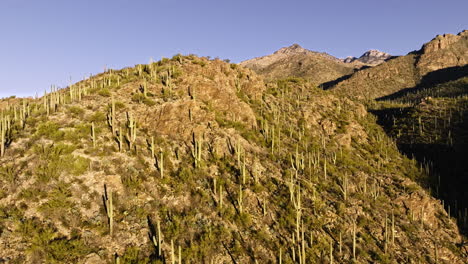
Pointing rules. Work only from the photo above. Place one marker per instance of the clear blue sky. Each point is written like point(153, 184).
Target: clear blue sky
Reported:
point(44, 42)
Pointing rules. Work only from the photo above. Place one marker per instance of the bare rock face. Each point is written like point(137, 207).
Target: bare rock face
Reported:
point(374, 57)
point(440, 42)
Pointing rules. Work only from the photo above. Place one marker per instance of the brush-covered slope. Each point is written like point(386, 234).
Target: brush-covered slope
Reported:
point(438, 60)
point(202, 162)
point(431, 124)
point(295, 61)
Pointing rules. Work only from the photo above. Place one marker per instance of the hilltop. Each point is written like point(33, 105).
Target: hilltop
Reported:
point(206, 162)
point(317, 67)
point(295, 61)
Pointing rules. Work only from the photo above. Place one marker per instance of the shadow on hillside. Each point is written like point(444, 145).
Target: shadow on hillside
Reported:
point(330, 84)
point(447, 164)
point(429, 81)
point(392, 58)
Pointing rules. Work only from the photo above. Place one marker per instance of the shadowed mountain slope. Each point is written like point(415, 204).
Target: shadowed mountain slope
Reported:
point(431, 125)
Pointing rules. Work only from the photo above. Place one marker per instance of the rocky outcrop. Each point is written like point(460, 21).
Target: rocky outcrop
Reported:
point(443, 41)
point(444, 51)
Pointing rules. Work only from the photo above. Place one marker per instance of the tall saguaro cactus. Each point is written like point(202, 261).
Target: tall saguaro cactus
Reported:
point(5, 133)
point(109, 206)
point(111, 117)
point(93, 134)
point(196, 151)
point(131, 130)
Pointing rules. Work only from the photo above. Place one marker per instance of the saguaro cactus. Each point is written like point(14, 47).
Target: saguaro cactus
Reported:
point(131, 130)
point(111, 117)
point(108, 205)
point(240, 200)
point(2, 138)
point(196, 151)
point(5, 133)
point(93, 134)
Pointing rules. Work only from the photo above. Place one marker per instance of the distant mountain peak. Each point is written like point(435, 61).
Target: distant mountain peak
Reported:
point(374, 57)
point(349, 59)
point(294, 60)
point(294, 48)
point(371, 57)
point(375, 53)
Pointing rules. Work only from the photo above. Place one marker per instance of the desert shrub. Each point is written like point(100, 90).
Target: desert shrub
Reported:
point(97, 117)
point(46, 244)
point(76, 111)
point(50, 130)
point(199, 62)
point(132, 256)
point(55, 159)
point(140, 98)
point(119, 105)
point(104, 92)
point(79, 165)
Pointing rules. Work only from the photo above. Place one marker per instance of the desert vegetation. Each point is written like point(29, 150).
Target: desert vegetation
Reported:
point(192, 160)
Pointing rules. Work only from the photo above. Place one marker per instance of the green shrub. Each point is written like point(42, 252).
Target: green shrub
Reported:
point(47, 245)
point(140, 98)
point(50, 130)
point(76, 111)
point(104, 92)
point(97, 117)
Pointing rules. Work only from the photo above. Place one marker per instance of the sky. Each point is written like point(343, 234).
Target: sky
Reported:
point(55, 42)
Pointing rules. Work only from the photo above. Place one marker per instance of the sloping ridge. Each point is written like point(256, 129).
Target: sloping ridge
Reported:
point(404, 72)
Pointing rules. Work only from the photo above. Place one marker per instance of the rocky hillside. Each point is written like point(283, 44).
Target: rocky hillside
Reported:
point(295, 61)
point(200, 161)
point(442, 59)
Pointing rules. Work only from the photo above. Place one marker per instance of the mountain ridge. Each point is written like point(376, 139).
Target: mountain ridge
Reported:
point(318, 67)
point(406, 72)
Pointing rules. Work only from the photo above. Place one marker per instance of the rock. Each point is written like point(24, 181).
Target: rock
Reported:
point(93, 259)
point(343, 140)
